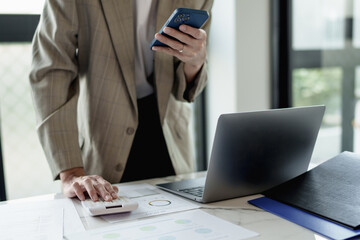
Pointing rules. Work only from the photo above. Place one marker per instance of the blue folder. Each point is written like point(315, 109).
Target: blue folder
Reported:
point(313, 222)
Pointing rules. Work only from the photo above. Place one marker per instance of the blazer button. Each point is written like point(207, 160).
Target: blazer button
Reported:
point(130, 131)
point(118, 167)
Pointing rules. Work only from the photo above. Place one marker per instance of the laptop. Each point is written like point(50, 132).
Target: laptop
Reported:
point(254, 151)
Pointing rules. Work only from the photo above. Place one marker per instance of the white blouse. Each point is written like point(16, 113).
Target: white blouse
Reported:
point(144, 14)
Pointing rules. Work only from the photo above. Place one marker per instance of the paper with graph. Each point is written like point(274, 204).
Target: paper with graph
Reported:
point(152, 202)
point(32, 222)
point(194, 224)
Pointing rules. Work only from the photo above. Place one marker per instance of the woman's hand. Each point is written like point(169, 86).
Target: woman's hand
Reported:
point(190, 47)
point(76, 183)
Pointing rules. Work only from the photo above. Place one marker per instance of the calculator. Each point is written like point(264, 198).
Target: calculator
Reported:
point(101, 207)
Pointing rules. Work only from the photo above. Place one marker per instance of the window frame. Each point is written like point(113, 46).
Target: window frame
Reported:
point(285, 60)
point(2, 176)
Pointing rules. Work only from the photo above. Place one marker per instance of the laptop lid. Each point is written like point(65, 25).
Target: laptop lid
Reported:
point(254, 151)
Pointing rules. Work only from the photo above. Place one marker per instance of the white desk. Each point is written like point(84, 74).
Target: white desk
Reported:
point(238, 211)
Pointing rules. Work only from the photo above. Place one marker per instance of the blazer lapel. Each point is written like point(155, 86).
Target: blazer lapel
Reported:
point(119, 18)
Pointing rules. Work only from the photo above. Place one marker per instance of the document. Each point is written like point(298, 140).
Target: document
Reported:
point(194, 224)
point(24, 221)
point(72, 221)
point(44, 220)
point(152, 201)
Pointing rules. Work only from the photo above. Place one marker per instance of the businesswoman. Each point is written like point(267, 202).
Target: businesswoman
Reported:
point(108, 108)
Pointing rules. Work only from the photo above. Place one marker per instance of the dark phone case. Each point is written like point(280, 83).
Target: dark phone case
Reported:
point(192, 17)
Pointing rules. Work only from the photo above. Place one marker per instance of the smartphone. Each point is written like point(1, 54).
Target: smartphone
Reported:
point(192, 17)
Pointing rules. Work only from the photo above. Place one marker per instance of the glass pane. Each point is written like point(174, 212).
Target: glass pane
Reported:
point(26, 169)
point(357, 82)
point(21, 6)
point(321, 86)
point(318, 24)
point(356, 26)
point(356, 122)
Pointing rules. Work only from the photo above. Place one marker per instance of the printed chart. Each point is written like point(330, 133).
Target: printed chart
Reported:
point(194, 224)
point(152, 202)
point(33, 221)
point(39, 220)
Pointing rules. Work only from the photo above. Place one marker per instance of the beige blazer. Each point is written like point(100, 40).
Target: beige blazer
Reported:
point(83, 86)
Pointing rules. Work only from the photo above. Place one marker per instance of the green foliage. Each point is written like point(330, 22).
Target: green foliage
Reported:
point(318, 86)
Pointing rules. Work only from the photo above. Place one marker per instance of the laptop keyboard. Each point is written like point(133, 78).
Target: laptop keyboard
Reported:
point(196, 191)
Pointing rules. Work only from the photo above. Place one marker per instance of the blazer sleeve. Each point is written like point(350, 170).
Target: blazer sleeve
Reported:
point(55, 84)
point(182, 90)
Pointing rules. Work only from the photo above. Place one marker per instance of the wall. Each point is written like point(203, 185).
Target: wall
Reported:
point(253, 54)
point(239, 59)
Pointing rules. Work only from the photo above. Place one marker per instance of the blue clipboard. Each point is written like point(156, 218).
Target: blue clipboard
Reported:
point(315, 223)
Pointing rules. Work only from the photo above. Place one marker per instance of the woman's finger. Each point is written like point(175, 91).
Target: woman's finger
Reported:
point(174, 44)
point(88, 184)
point(101, 190)
point(78, 191)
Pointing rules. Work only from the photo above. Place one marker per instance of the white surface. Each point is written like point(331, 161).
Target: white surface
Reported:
point(194, 224)
point(239, 59)
point(36, 221)
point(152, 202)
point(71, 224)
point(221, 88)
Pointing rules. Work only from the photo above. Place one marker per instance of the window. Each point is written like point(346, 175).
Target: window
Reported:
point(21, 150)
point(22, 7)
point(316, 61)
point(24, 162)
